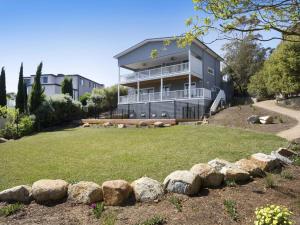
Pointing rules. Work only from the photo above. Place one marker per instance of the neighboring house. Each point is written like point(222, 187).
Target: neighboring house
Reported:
point(52, 84)
point(11, 99)
point(181, 83)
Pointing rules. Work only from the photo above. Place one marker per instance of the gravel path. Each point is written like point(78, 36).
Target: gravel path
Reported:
point(292, 133)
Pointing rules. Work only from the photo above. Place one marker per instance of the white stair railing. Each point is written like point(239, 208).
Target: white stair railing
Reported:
point(221, 96)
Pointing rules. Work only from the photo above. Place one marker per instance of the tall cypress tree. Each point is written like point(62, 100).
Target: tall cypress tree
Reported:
point(37, 92)
point(20, 95)
point(67, 86)
point(25, 98)
point(3, 100)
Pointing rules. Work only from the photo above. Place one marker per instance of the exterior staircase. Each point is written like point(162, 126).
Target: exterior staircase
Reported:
point(220, 97)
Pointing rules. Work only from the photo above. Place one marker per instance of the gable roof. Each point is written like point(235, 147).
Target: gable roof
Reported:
point(195, 41)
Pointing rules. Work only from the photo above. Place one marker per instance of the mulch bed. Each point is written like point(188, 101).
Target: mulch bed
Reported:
point(206, 209)
point(237, 117)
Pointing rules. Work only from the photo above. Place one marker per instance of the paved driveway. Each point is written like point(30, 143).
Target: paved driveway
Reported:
point(291, 133)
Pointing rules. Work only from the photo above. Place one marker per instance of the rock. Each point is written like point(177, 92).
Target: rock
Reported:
point(146, 189)
point(282, 159)
point(20, 193)
point(210, 176)
point(218, 164)
point(116, 192)
point(266, 119)
point(86, 125)
point(121, 126)
point(142, 124)
point(286, 153)
point(198, 122)
point(49, 190)
point(158, 124)
point(3, 140)
point(205, 120)
point(253, 119)
point(235, 173)
point(107, 124)
point(167, 125)
point(183, 182)
point(251, 167)
point(267, 163)
point(85, 192)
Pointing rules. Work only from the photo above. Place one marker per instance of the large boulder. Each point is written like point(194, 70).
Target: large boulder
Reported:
point(107, 124)
point(266, 119)
point(85, 192)
point(210, 176)
point(251, 167)
point(86, 125)
point(286, 153)
point(146, 189)
point(142, 124)
point(183, 182)
point(121, 125)
point(158, 124)
point(116, 192)
point(253, 119)
point(282, 159)
point(218, 164)
point(20, 193)
point(3, 140)
point(267, 163)
point(49, 190)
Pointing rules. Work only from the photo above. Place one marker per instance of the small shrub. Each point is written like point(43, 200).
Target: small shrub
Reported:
point(156, 220)
point(230, 183)
point(109, 219)
point(230, 206)
point(272, 215)
point(270, 181)
point(287, 175)
point(26, 125)
point(176, 202)
point(10, 209)
point(98, 209)
point(296, 161)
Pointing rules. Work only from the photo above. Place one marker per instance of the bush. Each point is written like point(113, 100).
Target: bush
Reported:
point(273, 215)
point(10, 209)
point(26, 125)
point(58, 109)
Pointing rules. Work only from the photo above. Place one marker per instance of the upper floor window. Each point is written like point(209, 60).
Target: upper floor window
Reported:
point(44, 80)
point(27, 82)
point(81, 82)
point(210, 71)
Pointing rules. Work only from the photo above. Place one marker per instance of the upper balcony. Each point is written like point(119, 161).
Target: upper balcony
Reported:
point(164, 71)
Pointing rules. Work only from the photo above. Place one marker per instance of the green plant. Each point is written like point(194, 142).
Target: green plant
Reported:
point(26, 125)
point(273, 215)
point(176, 202)
point(98, 209)
point(156, 220)
point(230, 183)
point(109, 219)
point(287, 175)
point(270, 181)
point(10, 209)
point(230, 206)
point(296, 161)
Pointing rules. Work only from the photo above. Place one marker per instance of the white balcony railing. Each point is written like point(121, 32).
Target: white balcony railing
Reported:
point(168, 95)
point(164, 71)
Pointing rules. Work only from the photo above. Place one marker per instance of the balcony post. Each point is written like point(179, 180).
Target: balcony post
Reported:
point(138, 91)
point(161, 88)
point(190, 75)
point(119, 87)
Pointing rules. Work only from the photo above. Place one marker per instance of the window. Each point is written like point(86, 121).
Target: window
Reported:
point(146, 90)
point(186, 89)
point(210, 71)
point(44, 80)
point(27, 82)
point(81, 82)
point(90, 84)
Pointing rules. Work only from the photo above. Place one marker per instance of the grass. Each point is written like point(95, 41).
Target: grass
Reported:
point(103, 154)
point(230, 206)
point(10, 209)
point(156, 220)
point(176, 202)
point(287, 175)
point(109, 219)
point(98, 209)
point(270, 181)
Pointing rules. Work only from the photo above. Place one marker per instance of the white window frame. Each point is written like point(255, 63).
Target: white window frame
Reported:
point(45, 80)
point(212, 71)
point(186, 88)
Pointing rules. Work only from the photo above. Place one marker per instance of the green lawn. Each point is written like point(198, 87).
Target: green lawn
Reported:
point(102, 154)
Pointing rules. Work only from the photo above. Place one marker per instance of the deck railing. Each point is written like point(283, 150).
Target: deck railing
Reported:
point(167, 95)
point(164, 71)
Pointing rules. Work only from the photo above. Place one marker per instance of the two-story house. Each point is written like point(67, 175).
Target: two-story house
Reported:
point(181, 83)
point(52, 84)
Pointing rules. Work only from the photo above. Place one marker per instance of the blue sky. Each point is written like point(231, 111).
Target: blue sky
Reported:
point(82, 36)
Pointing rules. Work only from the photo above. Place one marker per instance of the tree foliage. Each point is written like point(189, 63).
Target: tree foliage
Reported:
point(243, 59)
point(280, 74)
point(37, 92)
point(84, 98)
point(3, 100)
point(20, 99)
point(230, 18)
point(67, 86)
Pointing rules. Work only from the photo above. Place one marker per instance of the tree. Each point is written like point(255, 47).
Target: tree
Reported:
point(25, 98)
point(20, 100)
point(37, 92)
point(3, 100)
point(230, 18)
point(67, 86)
point(243, 59)
point(84, 98)
point(280, 74)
